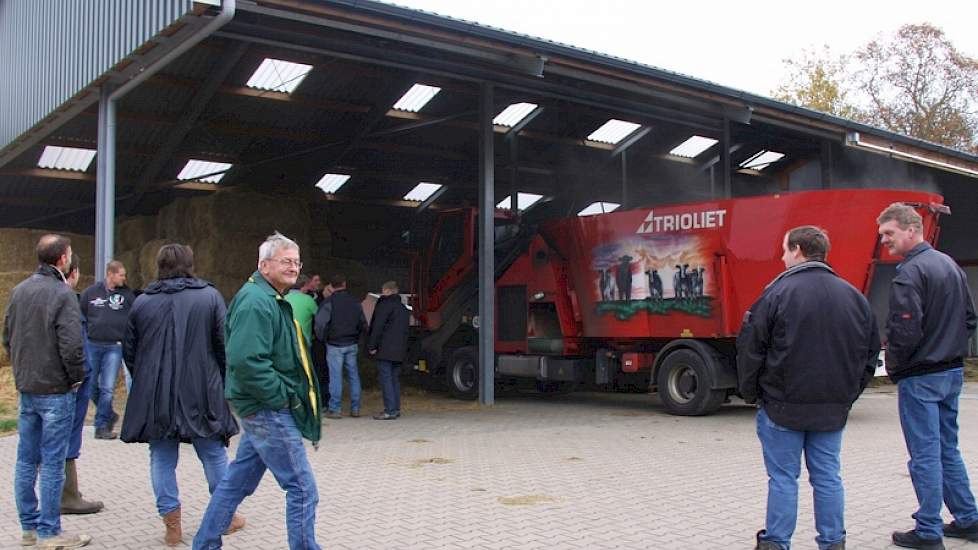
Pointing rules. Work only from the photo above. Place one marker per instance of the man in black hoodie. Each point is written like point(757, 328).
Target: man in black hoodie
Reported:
point(42, 335)
point(387, 342)
point(339, 322)
point(806, 350)
point(931, 317)
point(105, 312)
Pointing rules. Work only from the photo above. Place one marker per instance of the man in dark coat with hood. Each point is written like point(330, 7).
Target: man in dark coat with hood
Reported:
point(174, 348)
point(387, 342)
point(806, 350)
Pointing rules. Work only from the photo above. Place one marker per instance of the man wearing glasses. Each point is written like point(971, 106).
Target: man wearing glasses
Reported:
point(271, 385)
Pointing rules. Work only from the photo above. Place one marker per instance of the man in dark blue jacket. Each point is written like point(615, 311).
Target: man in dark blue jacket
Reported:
point(931, 318)
point(387, 342)
point(806, 350)
point(339, 322)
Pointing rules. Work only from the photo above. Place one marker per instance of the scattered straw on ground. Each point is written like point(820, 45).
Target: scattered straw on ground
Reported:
point(526, 500)
point(427, 461)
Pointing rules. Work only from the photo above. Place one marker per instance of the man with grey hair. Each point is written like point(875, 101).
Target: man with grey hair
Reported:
point(271, 385)
point(932, 315)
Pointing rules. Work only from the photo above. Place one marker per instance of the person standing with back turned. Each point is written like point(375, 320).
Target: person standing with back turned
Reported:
point(931, 318)
point(806, 351)
point(42, 335)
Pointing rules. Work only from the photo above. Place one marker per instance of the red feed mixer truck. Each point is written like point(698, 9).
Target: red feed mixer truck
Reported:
point(650, 298)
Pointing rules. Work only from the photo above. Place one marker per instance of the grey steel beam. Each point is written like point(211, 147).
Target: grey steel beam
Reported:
point(177, 133)
point(630, 140)
point(625, 202)
point(725, 159)
point(518, 127)
point(487, 279)
point(105, 183)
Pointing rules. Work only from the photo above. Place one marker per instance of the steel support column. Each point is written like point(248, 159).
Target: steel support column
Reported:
point(487, 282)
point(105, 183)
point(725, 159)
point(625, 202)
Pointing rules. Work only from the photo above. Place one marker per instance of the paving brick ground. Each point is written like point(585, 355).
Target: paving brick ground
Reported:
point(583, 471)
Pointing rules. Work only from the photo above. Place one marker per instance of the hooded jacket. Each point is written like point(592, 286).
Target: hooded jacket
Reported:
point(174, 349)
point(807, 348)
point(268, 367)
point(42, 334)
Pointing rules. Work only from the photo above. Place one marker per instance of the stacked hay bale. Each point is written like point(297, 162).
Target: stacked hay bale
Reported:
point(17, 248)
point(225, 229)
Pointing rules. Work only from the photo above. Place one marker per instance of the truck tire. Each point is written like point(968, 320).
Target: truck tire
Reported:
point(462, 374)
point(683, 381)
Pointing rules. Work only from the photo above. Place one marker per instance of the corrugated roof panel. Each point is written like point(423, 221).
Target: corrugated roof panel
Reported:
point(55, 49)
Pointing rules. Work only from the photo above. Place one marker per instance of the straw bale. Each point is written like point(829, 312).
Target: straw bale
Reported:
point(134, 270)
point(147, 258)
point(235, 258)
point(133, 233)
point(17, 249)
point(175, 221)
point(245, 214)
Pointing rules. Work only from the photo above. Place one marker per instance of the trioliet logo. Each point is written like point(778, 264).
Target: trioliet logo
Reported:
point(706, 219)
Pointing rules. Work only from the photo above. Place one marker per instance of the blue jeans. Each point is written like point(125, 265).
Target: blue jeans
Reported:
point(929, 417)
point(163, 457)
point(43, 425)
point(271, 440)
point(782, 458)
point(104, 360)
point(342, 359)
point(389, 375)
point(81, 410)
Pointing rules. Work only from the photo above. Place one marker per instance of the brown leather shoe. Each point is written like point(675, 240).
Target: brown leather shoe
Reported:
point(355, 414)
point(237, 524)
point(174, 529)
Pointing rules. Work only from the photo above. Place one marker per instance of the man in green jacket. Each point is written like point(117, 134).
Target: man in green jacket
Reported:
point(272, 387)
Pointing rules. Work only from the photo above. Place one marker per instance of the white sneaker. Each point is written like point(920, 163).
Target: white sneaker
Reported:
point(64, 540)
point(28, 538)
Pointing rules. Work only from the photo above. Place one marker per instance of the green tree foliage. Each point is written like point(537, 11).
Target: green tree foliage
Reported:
point(816, 80)
point(914, 82)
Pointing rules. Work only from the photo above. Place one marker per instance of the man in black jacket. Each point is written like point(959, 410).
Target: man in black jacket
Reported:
point(931, 318)
point(42, 335)
point(806, 350)
point(387, 342)
point(339, 322)
point(105, 311)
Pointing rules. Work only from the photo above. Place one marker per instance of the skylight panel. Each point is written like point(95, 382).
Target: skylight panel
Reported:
point(523, 201)
point(422, 191)
point(599, 208)
point(66, 158)
point(331, 183)
point(762, 159)
point(279, 76)
point(613, 131)
point(196, 168)
point(693, 147)
point(512, 115)
point(416, 98)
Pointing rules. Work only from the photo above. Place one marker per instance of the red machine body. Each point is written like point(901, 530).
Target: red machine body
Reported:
point(623, 290)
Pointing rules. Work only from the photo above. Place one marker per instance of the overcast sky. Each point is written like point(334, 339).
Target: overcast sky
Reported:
point(737, 44)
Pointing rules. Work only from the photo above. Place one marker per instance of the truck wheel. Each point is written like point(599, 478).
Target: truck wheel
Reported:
point(463, 374)
point(684, 385)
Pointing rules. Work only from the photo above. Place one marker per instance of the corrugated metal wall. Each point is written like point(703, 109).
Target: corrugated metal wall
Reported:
point(52, 49)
